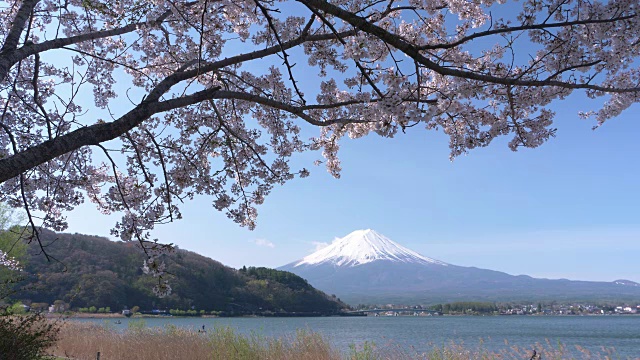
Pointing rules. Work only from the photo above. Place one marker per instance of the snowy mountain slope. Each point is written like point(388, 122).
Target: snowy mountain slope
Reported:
point(366, 267)
point(364, 246)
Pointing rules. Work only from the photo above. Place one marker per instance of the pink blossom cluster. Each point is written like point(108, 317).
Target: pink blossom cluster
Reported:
point(9, 262)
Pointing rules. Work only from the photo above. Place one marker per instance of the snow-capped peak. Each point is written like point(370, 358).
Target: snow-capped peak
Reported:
point(364, 246)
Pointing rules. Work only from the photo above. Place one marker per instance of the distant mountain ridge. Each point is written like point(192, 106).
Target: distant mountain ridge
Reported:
point(367, 267)
point(625, 282)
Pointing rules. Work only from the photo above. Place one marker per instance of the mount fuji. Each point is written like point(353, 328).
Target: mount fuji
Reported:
point(362, 247)
point(367, 267)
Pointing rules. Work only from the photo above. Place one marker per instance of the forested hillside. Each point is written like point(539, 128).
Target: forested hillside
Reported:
point(94, 271)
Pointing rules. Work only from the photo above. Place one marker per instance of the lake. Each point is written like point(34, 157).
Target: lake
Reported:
point(422, 333)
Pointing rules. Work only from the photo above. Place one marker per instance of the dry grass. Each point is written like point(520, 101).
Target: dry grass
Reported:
point(83, 341)
point(459, 351)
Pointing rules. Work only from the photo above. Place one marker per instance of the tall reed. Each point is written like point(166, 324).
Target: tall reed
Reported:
point(84, 341)
point(139, 342)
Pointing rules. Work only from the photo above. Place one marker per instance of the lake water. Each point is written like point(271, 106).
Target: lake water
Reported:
point(420, 334)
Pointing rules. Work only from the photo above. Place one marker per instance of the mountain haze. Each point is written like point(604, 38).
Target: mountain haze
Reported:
point(367, 267)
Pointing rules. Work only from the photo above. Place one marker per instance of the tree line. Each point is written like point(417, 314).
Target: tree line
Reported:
point(466, 307)
point(91, 274)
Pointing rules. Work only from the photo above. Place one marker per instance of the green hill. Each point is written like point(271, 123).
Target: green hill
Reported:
point(94, 271)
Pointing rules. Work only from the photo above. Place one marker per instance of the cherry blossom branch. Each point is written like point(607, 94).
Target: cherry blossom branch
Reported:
point(541, 26)
point(10, 55)
point(164, 171)
point(285, 56)
point(253, 150)
point(246, 57)
point(36, 95)
point(414, 52)
point(139, 159)
point(35, 232)
point(224, 94)
point(18, 25)
point(342, 41)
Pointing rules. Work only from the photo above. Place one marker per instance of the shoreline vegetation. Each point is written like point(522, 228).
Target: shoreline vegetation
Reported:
point(80, 315)
point(139, 342)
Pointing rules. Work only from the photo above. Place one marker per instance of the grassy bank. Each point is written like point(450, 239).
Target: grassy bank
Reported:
point(83, 341)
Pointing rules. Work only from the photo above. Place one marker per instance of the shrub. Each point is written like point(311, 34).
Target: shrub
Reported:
point(17, 309)
point(137, 326)
point(26, 337)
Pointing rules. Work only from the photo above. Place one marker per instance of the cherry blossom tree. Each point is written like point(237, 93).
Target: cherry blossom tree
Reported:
point(139, 106)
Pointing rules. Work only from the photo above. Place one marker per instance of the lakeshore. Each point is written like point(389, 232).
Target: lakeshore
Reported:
point(73, 316)
point(560, 310)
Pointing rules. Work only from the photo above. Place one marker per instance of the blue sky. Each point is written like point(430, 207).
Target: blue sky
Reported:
point(569, 209)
